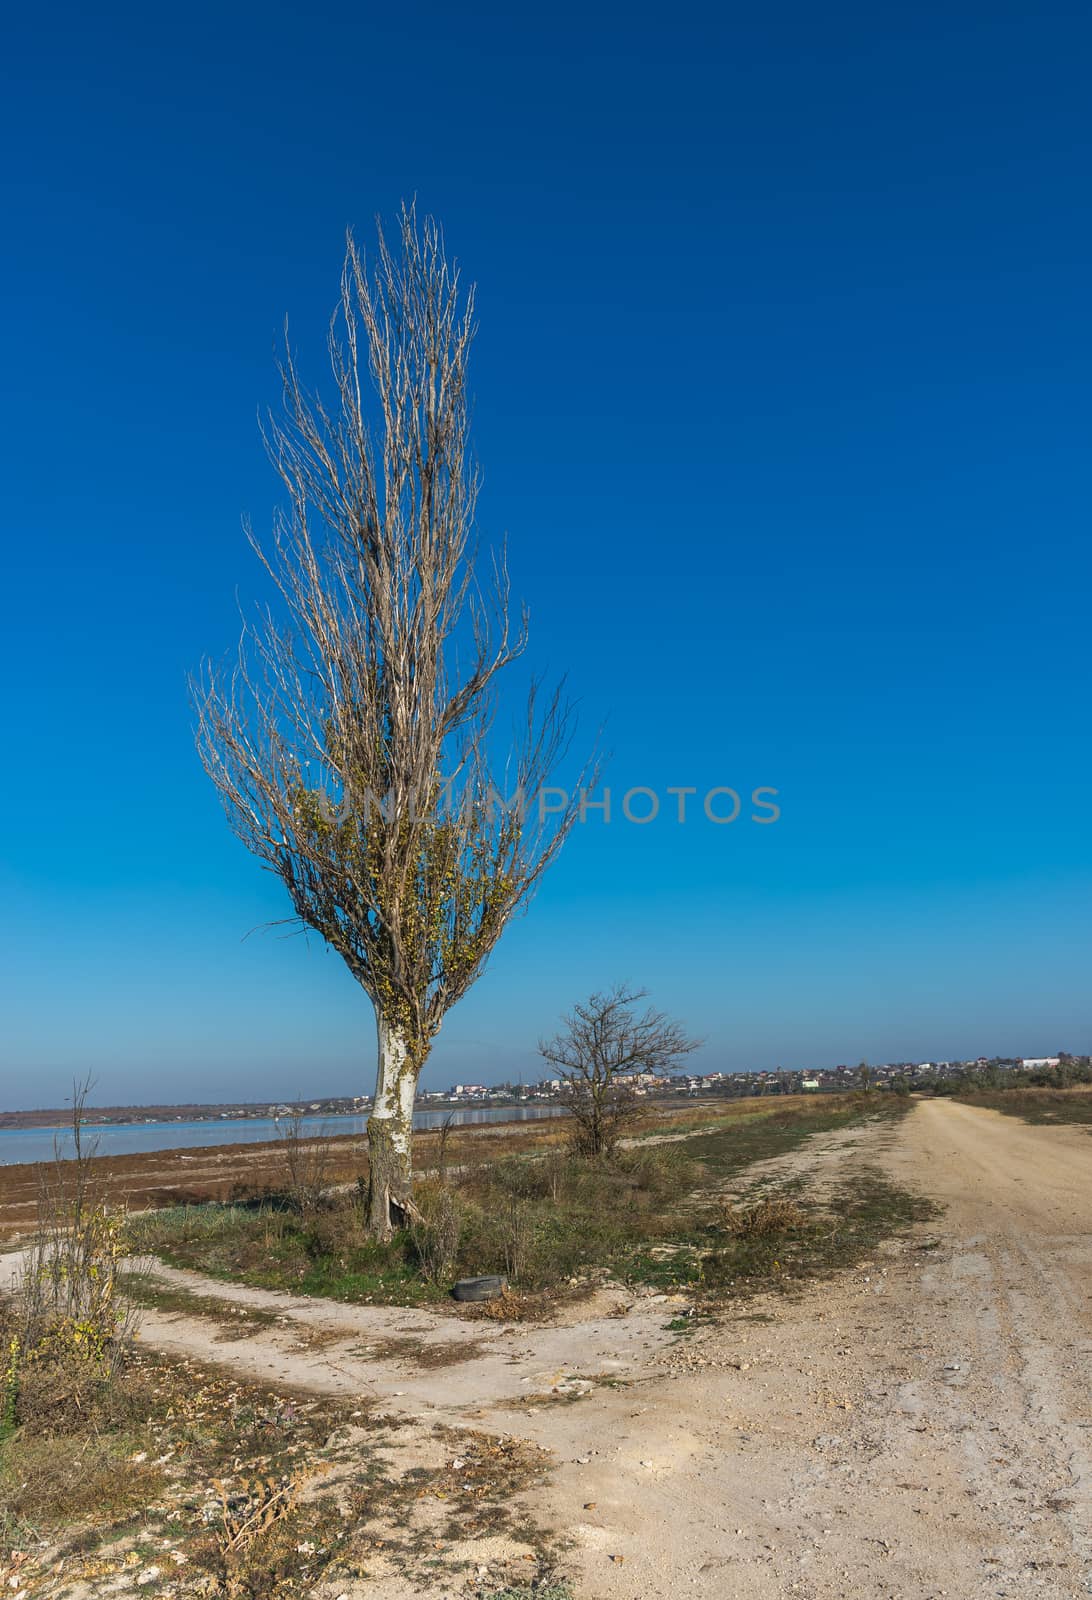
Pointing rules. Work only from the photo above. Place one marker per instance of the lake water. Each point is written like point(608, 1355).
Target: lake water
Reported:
point(128, 1139)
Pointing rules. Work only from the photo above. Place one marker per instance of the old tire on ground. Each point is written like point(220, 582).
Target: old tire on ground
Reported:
point(480, 1288)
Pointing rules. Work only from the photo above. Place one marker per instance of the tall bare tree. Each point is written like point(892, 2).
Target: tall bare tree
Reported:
point(353, 743)
point(605, 1041)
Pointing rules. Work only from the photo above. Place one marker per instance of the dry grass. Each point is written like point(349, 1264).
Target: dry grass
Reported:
point(420, 1352)
point(44, 1482)
point(770, 1215)
point(1036, 1105)
point(235, 1321)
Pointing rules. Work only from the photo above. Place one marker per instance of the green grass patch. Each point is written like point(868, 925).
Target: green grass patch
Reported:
point(270, 1247)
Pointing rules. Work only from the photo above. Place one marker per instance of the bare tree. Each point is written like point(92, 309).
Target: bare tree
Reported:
point(603, 1044)
point(307, 1157)
point(353, 743)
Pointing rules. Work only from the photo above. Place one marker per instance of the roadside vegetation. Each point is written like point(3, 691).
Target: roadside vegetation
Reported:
point(1044, 1095)
point(552, 1220)
point(1035, 1105)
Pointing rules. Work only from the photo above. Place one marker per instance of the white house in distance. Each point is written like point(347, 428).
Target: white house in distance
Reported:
point(1040, 1061)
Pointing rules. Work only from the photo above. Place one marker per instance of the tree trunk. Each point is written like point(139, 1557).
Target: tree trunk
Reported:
point(390, 1133)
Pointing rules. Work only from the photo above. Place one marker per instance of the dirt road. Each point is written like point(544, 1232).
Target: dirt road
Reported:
point(921, 1427)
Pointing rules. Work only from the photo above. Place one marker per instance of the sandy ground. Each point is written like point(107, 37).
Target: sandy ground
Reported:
point(920, 1427)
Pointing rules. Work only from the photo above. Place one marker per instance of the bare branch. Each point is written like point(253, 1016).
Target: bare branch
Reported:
point(605, 1045)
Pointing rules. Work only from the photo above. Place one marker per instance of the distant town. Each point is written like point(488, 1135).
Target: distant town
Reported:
point(897, 1077)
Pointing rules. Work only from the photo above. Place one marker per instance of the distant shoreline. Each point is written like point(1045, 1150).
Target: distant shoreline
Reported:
point(241, 1111)
point(120, 1140)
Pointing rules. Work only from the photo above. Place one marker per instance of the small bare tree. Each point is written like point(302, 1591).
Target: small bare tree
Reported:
point(307, 1156)
point(604, 1043)
point(352, 744)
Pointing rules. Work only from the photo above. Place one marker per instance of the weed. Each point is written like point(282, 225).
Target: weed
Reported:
point(9, 1390)
point(772, 1214)
point(863, 1211)
point(249, 1560)
point(435, 1235)
point(552, 1591)
point(307, 1160)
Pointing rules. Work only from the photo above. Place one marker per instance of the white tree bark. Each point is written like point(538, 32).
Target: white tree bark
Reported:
point(395, 1088)
point(390, 1128)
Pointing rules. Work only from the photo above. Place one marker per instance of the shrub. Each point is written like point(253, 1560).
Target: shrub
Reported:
point(70, 1290)
point(70, 1320)
point(307, 1156)
point(436, 1235)
point(773, 1214)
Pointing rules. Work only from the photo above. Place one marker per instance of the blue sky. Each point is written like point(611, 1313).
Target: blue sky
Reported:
point(782, 400)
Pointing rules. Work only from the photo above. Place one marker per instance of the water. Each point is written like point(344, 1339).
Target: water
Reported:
point(139, 1138)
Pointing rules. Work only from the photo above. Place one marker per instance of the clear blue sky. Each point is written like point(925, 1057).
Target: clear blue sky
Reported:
point(783, 400)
